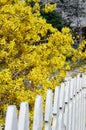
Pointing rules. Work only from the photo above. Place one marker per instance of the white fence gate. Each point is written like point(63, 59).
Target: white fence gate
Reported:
point(64, 110)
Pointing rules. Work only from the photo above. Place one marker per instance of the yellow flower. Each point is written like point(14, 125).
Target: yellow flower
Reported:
point(49, 7)
point(65, 30)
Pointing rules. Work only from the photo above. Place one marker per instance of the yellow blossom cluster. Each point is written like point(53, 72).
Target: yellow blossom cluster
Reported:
point(32, 53)
point(49, 7)
point(80, 53)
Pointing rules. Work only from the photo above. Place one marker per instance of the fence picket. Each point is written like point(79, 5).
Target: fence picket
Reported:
point(73, 111)
point(77, 102)
point(38, 115)
point(61, 108)
point(11, 118)
point(83, 100)
point(23, 123)
point(56, 109)
point(67, 111)
point(70, 104)
point(48, 110)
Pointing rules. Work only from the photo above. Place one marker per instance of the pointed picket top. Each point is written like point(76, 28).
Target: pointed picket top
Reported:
point(67, 87)
point(74, 85)
point(71, 88)
point(61, 96)
point(23, 123)
point(11, 118)
point(38, 115)
point(78, 83)
point(83, 80)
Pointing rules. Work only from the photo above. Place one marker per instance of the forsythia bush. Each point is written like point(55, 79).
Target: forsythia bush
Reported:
point(81, 51)
point(32, 53)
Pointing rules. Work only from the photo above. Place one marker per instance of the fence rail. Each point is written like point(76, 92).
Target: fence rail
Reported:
point(65, 109)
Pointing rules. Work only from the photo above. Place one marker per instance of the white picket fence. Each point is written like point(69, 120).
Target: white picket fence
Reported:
point(64, 110)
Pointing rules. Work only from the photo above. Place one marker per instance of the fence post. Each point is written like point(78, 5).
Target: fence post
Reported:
point(48, 110)
point(38, 115)
point(23, 123)
point(56, 109)
point(11, 118)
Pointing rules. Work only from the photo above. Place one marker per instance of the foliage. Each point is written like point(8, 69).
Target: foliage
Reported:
point(81, 51)
point(32, 53)
point(49, 13)
point(53, 18)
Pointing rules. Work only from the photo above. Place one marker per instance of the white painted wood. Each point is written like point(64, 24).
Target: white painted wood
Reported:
point(23, 123)
point(56, 101)
point(77, 101)
point(38, 115)
point(70, 104)
point(79, 118)
point(84, 115)
point(82, 110)
point(74, 86)
point(78, 83)
point(85, 99)
point(61, 107)
point(66, 100)
point(0, 128)
point(74, 104)
point(60, 125)
point(67, 87)
point(56, 108)
point(66, 117)
point(71, 88)
point(70, 115)
point(48, 110)
point(61, 96)
point(67, 78)
point(76, 112)
point(73, 115)
point(11, 118)
point(79, 105)
point(66, 112)
point(83, 83)
point(85, 102)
